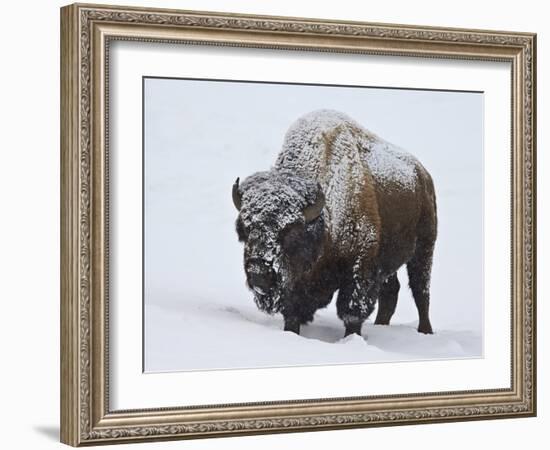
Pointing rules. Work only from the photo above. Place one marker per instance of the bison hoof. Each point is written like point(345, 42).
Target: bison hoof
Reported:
point(382, 321)
point(425, 328)
point(353, 328)
point(292, 326)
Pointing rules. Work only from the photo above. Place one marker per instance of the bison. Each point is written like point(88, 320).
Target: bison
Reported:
point(341, 210)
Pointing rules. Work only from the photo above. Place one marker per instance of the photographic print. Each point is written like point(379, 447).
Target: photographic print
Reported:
point(309, 205)
point(299, 224)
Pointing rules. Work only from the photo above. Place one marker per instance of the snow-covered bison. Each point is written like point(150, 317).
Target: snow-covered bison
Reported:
point(342, 210)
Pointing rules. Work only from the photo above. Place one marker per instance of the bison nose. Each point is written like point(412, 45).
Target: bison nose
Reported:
point(260, 277)
point(261, 283)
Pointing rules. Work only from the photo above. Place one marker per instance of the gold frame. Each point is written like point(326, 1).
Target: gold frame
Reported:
point(86, 31)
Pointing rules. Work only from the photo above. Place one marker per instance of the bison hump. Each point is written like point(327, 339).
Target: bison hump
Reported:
point(321, 140)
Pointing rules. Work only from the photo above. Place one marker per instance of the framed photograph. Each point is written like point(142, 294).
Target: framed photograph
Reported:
point(276, 224)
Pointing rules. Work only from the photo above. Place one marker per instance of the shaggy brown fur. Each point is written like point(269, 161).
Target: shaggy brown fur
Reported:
point(379, 214)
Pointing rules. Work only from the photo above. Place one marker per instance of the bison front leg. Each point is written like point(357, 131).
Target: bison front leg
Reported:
point(297, 310)
point(292, 324)
point(356, 301)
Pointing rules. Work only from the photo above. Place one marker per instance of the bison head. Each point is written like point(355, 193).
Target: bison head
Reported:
point(281, 225)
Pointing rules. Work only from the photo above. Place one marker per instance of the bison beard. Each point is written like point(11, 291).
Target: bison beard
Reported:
point(341, 210)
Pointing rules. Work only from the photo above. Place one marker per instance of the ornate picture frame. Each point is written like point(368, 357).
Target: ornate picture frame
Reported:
point(87, 31)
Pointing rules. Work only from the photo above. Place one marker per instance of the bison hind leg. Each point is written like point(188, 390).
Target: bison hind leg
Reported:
point(419, 269)
point(387, 300)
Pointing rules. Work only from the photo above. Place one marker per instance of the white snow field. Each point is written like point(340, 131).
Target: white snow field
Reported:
point(200, 136)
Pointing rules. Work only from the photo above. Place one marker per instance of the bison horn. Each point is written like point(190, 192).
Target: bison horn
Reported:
point(237, 201)
point(314, 211)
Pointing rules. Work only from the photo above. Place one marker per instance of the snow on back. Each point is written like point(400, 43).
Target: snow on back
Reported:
point(390, 164)
point(321, 119)
point(302, 148)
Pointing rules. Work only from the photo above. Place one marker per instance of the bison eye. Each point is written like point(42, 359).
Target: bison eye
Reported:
point(292, 235)
point(241, 231)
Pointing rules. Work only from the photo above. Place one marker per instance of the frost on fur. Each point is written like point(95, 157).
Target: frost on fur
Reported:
point(376, 212)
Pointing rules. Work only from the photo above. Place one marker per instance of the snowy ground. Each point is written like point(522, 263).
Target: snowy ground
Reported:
point(198, 312)
point(212, 335)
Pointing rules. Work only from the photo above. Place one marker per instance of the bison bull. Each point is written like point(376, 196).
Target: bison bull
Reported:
point(341, 210)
